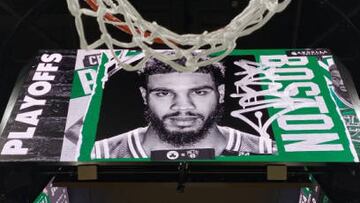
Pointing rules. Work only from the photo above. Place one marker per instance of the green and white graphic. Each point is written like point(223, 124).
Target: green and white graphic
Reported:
point(287, 101)
point(51, 194)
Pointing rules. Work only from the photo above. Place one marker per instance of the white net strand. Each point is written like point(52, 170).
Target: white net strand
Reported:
point(145, 33)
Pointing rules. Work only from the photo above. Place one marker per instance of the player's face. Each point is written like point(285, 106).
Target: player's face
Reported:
point(182, 102)
point(337, 80)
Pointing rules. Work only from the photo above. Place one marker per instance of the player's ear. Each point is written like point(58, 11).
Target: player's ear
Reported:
point(143, 94)
point(221, 90)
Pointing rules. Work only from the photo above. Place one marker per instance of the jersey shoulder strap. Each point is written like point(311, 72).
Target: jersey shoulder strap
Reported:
point(239, 143)
point(126, 145)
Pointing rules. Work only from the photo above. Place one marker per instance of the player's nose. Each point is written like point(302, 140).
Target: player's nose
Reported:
point(182, 102)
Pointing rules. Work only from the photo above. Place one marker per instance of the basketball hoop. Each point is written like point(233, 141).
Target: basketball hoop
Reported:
point(217, 44)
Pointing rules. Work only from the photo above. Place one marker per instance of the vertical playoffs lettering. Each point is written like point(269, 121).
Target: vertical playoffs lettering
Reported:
point(40, 86)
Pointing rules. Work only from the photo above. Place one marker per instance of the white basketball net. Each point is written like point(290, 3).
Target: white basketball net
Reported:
point(145, 33)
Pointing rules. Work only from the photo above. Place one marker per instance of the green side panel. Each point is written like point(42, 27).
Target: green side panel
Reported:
point(42, 198)
point(92, 115)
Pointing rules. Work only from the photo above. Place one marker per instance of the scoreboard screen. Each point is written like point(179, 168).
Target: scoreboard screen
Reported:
point(253, 106)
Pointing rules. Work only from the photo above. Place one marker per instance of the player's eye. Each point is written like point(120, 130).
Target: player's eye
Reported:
point(201, 92)
point(162, 93)
point(335, 79)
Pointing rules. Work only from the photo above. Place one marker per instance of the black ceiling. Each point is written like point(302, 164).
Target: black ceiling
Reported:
point(27, 26)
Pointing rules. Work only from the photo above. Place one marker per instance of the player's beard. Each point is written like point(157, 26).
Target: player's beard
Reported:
point(342, 93)
point(179, 139)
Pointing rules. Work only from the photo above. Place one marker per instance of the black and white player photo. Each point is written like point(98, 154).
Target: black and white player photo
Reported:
point(159, 108)
point(339, 85)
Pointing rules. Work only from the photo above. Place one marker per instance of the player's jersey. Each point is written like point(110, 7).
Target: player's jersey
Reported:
point(349, 115)
point(128, 145)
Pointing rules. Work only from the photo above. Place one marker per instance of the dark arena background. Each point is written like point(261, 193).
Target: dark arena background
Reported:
point(27, 26)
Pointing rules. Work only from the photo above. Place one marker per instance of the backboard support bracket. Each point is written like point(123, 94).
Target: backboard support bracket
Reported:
point(276, 172)
point(183, 173)
point(87, 172)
